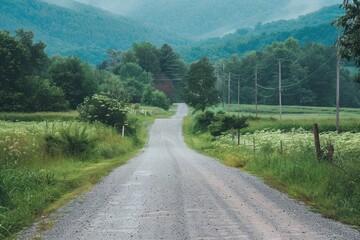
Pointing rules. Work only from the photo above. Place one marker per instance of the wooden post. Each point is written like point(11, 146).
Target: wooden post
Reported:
point(238, 136)
point(232, 135)
point(317, 141)
point(254, 146)
point(123, 131)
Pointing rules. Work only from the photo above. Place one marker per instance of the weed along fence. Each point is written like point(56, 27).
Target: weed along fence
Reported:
point(297, 141)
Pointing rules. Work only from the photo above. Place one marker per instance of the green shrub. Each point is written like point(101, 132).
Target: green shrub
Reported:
point(155, 98)
point(100, 108)
point(70, 140)
point(202, 121)
point(224, 123)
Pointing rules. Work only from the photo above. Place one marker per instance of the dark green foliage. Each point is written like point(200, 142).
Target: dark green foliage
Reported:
point(308, 76)
point(199, 85)
point(74, 77)
point(156, 98)
point(217, 124)
point(100, 108)
point(70, 141)
point(22, 84)
point(148, 56)
point(42, 95)
point(203, 120)
point(350, 40)
point(224, 123)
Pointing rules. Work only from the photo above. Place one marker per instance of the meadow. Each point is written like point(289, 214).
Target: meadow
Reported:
point(44, 164)
point(283, 154)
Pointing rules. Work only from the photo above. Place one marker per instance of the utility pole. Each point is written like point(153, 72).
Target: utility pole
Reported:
point(280, 90)
point(229, 93)
point(238, 117)
point(338, 84)
point(238, 96)
point(256, 91)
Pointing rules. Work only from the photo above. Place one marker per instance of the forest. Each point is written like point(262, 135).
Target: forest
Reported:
point(308, 76)
point(32, 81)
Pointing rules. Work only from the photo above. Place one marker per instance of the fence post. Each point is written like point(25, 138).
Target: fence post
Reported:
point(317, 141)
point(232, 135)
point(123, 131)
point(254, 146)
point(238, 136)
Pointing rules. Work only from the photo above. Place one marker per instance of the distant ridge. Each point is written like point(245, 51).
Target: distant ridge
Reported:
point(76, 28)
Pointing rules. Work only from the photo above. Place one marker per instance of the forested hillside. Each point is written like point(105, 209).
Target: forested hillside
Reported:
point(313, 27)
point(82, 30)
point(208, 18)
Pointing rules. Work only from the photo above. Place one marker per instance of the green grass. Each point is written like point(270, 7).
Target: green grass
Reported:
point(331, 189)
point(38, 116)
point(296, 117)
point(44, 164)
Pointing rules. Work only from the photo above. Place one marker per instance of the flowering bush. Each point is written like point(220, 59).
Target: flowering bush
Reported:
point(100, 108)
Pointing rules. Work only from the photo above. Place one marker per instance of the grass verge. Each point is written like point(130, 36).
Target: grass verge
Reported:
point(46, 164)
point(331, 189)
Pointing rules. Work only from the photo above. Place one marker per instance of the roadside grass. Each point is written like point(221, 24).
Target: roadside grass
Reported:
point(45, 164)
point(332, 189)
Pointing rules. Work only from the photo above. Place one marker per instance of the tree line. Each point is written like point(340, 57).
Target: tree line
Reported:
point(308, 76)
point(31, 81)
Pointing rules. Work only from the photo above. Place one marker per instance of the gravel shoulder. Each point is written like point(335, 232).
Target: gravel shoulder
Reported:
point(171, 192)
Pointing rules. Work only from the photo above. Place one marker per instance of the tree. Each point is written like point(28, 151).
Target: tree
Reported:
point(169, 62)
point(148, 56)
point(113, 87)
point(199, 86)
point(74, 77)
point(22, 84)
point(350, 40)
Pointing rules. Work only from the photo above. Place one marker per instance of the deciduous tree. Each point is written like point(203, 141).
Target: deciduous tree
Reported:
point(199, 85)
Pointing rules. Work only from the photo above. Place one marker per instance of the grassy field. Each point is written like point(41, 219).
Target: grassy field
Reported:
point(44, 164)
point(295, 117)
point(283, 154)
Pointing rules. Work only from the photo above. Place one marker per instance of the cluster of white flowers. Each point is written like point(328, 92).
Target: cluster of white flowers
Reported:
point(296, 139)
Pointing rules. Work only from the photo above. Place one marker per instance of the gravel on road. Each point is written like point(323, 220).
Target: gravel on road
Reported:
point(172, 192)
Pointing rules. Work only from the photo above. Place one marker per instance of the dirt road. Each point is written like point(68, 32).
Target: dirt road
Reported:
point(171, 192)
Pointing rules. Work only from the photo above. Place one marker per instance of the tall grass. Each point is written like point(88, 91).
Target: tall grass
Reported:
point(47, 161)
point(330, 188)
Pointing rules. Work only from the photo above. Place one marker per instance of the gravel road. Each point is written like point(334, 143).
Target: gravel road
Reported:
point(171, 192)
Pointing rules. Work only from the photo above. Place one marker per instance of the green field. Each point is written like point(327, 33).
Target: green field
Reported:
point(283, 154)
point(295, 117)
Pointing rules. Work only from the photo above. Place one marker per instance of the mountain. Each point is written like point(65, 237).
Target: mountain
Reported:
point(74, 28)
point(202, 19)
point(313, 27)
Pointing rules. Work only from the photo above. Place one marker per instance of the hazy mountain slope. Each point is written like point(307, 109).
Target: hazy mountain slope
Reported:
point(76, 28)
point(313, 27)
point(209, 18)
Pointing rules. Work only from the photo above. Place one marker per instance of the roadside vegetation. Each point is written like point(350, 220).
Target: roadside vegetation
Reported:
point(283, 154)
point(44, 164)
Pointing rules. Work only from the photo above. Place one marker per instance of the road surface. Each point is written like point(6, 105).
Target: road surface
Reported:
point(171, 192)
